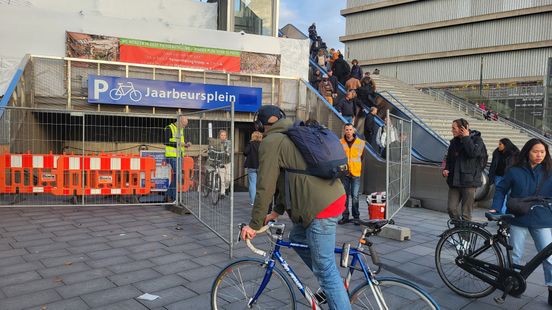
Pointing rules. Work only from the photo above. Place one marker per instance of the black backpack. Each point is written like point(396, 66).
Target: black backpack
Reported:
point(321, 149)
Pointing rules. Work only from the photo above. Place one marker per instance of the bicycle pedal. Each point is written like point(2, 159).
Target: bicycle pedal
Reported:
point(321, 297)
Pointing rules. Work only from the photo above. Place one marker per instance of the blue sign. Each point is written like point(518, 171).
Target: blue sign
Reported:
point(143, 92)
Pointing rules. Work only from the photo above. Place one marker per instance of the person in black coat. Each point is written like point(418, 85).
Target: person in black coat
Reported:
point(371, 127)
point(251, 153)
point(341, 69)
point(346, 107)
point(465, 161)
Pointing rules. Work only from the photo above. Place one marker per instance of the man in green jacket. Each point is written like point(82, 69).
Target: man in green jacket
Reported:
point(315, 203)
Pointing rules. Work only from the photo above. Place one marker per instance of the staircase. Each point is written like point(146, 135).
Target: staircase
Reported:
point(439, 115)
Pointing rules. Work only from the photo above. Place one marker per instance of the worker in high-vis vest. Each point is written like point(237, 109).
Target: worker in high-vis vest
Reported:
point(175, 149)
point(354, 148)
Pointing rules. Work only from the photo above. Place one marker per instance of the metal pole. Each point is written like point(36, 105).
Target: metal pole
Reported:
point(69, 85)
point(82, 162)
point(178, 172)
point(481, 78)
point(199, 169)
point(232, 128)
point(401, 175)
point(386, 128)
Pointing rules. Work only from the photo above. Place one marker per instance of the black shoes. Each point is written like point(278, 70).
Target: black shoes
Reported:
point(346, 220)
point(343, 221)
point(550, 295)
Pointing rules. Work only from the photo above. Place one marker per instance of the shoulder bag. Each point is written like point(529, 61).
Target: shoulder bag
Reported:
point(522, 206)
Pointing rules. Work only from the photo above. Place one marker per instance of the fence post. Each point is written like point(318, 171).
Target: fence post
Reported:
point(83, 155)
point(200, 169)
point(232, 162)
point(386, 128)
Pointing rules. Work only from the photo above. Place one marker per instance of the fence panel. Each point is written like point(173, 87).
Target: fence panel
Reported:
point(398, 138)
point(209, 166)
point(55, 157)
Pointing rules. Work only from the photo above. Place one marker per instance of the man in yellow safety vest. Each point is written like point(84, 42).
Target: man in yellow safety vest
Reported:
point(354, 148)
point(174, 135)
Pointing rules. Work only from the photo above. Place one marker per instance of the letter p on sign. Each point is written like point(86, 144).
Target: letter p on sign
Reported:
point(100, 86)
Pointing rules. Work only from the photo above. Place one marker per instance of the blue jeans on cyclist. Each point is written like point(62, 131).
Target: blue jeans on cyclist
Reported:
point(352, 186)
point(252, 178)
point(320, 258)
point(171, 192)
point(541, 236)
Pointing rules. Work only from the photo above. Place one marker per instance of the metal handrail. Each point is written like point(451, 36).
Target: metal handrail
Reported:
point(323, 71)
point(453, 101)
point(413, 116)
point(15, 81)
point(366, 146)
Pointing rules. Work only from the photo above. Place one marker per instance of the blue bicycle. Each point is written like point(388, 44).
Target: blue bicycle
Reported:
point(252, 283)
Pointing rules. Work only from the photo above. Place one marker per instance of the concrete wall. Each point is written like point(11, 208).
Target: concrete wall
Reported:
point(41, 30)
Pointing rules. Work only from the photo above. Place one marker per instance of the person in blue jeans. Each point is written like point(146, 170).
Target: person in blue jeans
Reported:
point(251, 153)
point(354, 149)
point(531, 175)
point(503, 158)
point(313, 204)
point(175, 149)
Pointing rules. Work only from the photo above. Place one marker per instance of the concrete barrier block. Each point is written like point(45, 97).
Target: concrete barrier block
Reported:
point(395, 232)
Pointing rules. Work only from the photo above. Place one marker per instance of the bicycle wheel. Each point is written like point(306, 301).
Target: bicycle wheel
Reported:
point(397, 294)
point(238, 282)
point(215, 191)
point(456, 243)
point(206, 187)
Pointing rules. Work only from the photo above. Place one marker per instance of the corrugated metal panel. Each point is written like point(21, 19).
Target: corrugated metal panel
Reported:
point(493, 33)
point(355, 3)
point(495, 66)
point(428, 11)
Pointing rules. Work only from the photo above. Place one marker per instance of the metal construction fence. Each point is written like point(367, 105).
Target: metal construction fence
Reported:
point(398, 153)
point(69, 158)
point(57, 149)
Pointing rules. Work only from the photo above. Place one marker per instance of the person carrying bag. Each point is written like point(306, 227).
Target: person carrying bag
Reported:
point(533, 169)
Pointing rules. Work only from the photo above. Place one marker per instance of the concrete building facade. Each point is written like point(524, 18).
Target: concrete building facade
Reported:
point(457, 44)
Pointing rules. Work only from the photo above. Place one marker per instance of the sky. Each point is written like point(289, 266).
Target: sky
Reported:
point(330, 25)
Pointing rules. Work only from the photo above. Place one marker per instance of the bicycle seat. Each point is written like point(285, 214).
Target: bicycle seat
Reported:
point(498, 216)
point(373, 224)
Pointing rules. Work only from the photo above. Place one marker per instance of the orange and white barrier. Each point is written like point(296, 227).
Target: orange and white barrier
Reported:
point(28, 173)
point(105, 175)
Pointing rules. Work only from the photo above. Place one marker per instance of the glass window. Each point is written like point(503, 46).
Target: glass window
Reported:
point(253, 16)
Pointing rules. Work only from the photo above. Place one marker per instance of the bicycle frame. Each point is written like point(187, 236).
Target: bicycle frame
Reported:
point(485, 271)
point(276, 256)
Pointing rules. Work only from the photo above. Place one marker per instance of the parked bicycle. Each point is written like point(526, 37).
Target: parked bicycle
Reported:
point(471, 261)
point(260, 284)
point(212, 182)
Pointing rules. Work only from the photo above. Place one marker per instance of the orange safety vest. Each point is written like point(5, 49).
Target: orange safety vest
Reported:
point(354, 154)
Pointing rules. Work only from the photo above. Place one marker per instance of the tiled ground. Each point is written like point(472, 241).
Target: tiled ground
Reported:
point(104, 257)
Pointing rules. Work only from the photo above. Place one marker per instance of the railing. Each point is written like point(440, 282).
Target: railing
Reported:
point(385, 94)
point(14, 82)
point(339, 116)
point(474, 111)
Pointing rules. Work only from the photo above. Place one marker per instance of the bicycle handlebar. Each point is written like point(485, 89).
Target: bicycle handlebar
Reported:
point(248, 241)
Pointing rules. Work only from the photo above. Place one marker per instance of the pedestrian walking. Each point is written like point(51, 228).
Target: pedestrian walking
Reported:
point(251, 153)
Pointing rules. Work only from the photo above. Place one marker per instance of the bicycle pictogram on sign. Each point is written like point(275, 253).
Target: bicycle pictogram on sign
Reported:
point(125, 89)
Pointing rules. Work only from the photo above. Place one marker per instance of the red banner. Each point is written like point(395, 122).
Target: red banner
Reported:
point(175, 58)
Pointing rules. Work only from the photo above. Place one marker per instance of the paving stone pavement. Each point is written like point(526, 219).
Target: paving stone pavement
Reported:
point(105, 257)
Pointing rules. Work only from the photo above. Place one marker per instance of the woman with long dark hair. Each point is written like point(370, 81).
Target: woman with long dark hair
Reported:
point(504, 157)
point(531, 175)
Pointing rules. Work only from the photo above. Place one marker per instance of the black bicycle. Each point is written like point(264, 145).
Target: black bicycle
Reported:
point(212, 179)
point(471, 261)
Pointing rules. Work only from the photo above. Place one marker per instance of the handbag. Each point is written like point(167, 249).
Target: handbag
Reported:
point(522, 206)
